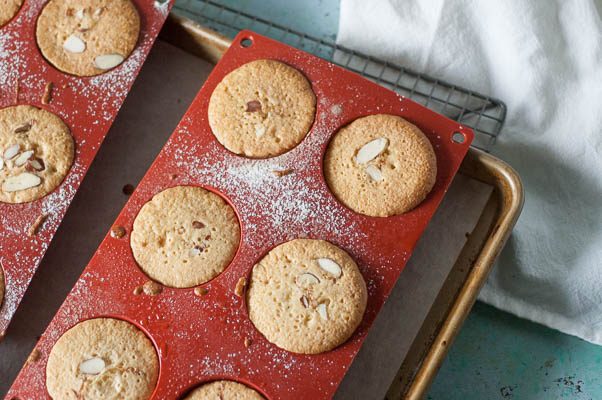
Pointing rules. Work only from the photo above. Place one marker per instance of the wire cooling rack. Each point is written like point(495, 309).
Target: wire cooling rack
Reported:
point(484, 114)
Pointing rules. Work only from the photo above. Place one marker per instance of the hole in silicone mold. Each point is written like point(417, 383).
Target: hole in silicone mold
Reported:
point(173, 253)
point(458, 137)
point(128, 189)
point(246, 42)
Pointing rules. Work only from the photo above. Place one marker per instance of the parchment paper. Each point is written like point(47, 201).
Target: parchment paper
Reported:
point(167, 84)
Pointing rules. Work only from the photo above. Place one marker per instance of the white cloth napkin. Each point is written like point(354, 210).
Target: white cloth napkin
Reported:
point(544, 59)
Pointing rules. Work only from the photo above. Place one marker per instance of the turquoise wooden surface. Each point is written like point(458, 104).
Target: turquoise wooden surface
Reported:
point(499, 356)
point(496, 355)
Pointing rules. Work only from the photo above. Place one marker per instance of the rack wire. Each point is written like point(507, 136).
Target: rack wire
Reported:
point(484, 114)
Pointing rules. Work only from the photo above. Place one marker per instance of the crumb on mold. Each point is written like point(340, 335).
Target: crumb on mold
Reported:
point(152, 288)
point(47, 95)
point(33, 356)
point(118, 231)
point(240, 287)
point(282, 172)
point(37, 225)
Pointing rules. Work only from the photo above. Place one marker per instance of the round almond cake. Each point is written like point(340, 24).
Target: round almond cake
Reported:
point(185, 236)
point(36, 153)
point(226, 390)
point(87, 37)
point(306, 296)
point(380, 165)
point(102, 359)
point(262, 109)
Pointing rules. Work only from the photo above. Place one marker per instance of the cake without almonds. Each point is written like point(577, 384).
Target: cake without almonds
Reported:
point(185, 236)
point(380, 165)
point(306, 296)
point(224, 390)
point(36, 153)
point(87, 37)
point(102, 358)
point(262, 109)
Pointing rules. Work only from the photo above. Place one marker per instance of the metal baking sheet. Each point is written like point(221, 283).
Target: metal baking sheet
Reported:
point(116, 164)
point(104, 284)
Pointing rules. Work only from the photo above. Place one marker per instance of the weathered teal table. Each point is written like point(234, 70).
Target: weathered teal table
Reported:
point(496, 355)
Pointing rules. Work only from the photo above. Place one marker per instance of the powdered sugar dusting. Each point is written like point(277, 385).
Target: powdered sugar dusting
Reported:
point(205, 337)
point(295, 205)
point(8, 73)
point(87, 105)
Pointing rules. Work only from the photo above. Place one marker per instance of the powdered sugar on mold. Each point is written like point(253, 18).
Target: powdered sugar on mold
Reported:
point(87, 104)
point(207, 333)
point(297, 204)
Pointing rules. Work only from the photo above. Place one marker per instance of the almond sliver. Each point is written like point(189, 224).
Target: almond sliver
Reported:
point(73, 44)
point(307, 279)
point(23, 157)
point(371, 150)
point(108, 61)
point(330, 266)
point(11, 151)
point(321, 308)
point(22, 181)
point(93, 366)
point(374, 173)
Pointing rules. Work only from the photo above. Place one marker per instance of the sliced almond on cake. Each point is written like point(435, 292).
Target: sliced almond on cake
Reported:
point(307, 279)
point(11, 151)
point(374, 173)
point(92, 366)
point(330, 266)
point(323, 311)
point(22, 128)
point(73, 44)
point(371, 150)
point(108, 61)
point(22, 181)
point(23, 158)
point(37, 164)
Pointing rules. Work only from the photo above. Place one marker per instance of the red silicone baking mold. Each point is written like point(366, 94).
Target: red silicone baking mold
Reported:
point(88, 105)
point(202, 338)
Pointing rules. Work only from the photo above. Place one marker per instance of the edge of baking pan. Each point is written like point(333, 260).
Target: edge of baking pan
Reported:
point(477, 257)
point(504, 209)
